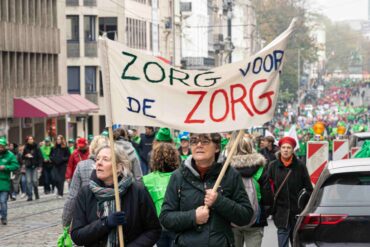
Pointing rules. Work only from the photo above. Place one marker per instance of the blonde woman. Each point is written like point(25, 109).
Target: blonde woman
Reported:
point(95, 219)
point(81, 177)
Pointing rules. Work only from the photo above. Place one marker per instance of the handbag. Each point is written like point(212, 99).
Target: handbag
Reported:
point(278, 191)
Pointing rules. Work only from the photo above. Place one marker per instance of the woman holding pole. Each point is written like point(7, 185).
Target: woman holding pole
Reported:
point(198, 214)
point(95, 219)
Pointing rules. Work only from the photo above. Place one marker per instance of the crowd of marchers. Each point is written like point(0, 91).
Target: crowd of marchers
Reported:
point(165, 186)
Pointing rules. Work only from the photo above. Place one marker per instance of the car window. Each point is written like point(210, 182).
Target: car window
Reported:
point(350, 189)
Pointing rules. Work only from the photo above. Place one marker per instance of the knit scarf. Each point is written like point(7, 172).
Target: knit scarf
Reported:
point(106, 203)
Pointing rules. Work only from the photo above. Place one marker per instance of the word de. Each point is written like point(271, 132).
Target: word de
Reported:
point(247, 100)
point(135, 106)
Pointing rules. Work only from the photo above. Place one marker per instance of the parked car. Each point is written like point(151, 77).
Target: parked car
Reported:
point(338, 212)
point(357, 139)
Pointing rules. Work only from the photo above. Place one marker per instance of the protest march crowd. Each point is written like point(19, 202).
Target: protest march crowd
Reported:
point(165, 181)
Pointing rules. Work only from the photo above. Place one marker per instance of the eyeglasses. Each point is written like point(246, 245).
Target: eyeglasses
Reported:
point(203, 141)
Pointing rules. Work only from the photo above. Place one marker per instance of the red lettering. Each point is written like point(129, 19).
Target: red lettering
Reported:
point(239, 100)
point(265, 95)
point(191, 113)
point(223, 92)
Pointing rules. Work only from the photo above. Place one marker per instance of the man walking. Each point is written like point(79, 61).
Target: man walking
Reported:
point(8, 163)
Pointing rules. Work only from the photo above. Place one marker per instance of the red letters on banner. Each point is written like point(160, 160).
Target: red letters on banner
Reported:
point(230, 101)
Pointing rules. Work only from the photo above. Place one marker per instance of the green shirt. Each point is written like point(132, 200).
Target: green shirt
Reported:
point(156, 183)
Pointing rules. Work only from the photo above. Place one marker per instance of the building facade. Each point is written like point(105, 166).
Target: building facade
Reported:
point(31, 60)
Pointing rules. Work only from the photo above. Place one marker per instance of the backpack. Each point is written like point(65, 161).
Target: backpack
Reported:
point(250, 188)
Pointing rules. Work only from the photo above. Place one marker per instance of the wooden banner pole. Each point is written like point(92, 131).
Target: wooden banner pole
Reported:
point(103, 50)
point(227, 162)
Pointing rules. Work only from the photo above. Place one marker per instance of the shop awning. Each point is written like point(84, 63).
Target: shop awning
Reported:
point(52, 106)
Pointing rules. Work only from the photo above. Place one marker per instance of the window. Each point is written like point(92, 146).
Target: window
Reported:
point(101, 88)
point(136, 33)
point(72, 28)
point(90, 79)
point(346, 189)
point(73, 74)
point(108, 25)
point(89, 28)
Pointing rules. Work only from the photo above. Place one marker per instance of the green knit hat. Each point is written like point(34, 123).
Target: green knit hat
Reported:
point(164, 135)
point(3, 141)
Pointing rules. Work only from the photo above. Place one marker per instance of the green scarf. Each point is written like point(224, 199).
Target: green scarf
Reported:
point(106, 203)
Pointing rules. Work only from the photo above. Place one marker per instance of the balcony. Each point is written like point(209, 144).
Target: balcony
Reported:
point(91, 49)
point(72, 2)
point(90, 3)
point(199, 63)
point(73, 49)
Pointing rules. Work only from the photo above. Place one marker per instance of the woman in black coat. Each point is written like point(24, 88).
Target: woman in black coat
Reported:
point(59, 156)
point(33, 161)
point(95, 220)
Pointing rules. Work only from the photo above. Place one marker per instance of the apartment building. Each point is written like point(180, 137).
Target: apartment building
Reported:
point(30, 59)
point(144, 25)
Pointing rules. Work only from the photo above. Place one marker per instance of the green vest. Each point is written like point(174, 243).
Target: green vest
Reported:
point(45, 150)
point(256, 177)
point(156, 183)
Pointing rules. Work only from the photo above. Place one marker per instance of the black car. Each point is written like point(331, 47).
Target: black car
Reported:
point(338, 212)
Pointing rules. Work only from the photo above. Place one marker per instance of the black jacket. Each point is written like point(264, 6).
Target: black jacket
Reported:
point(143, 228)
point(59, 155)
point(145, 147)
point(35, 151)
point(287, 201)
point(269, 155)
point(248, 165)
point(185, 193)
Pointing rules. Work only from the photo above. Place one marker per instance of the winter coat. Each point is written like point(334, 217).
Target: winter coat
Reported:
point(134, 159)
point(59, 156)
point(248, 166)
point(287, 200)
point(143, 228)
point(145, 146)
point(185, 193)
point(9, 160)
point(75, 157)
point(269, 155)
point(36, 160)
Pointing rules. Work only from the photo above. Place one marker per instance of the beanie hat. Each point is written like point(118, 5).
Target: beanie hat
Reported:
point(71, 140)
point(47, 139)
point(289, 140)
point(163, 135)
point(81, 142)
point(3, 141)
point(105, 133)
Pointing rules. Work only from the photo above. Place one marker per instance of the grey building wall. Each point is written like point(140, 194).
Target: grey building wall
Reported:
point(29, 50)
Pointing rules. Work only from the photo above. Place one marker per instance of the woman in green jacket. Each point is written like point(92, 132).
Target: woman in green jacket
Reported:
point(164, 160)
point(8, 163)
point(199, 216)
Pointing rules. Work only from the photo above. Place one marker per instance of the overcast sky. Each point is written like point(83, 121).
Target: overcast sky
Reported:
point(341, 9)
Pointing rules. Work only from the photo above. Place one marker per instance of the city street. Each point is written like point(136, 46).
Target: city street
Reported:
point(36, 223)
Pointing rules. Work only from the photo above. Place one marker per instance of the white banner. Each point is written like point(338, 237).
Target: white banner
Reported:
point(142, 90)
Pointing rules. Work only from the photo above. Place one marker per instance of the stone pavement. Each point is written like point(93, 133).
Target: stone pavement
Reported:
point(35, 223)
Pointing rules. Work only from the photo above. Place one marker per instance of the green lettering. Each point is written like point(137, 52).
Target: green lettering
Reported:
point(209, 79)
point(172, 78)
point(162, 71)
point(124, 76)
